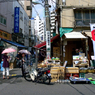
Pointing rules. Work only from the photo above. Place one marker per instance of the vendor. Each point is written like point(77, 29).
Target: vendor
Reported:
point(81, 50)
point(77, 51)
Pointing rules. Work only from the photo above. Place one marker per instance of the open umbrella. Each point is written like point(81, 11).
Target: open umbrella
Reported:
point(8, 50)
point(24, 51)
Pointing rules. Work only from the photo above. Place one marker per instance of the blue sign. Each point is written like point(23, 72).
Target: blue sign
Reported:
point(16, 19)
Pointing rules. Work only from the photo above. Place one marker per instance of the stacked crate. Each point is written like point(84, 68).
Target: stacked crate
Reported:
point(72, 71)
point(57, 73)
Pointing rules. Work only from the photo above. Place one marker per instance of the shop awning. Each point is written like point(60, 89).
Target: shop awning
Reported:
point(74, 35)
point(14, 43)
point(88, 33)
point(44, 43)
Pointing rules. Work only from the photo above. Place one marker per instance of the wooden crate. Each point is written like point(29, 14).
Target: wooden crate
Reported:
point(55, 77)
point(72, 70)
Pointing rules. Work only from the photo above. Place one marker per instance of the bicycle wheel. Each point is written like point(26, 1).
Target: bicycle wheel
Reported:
point(26, 74)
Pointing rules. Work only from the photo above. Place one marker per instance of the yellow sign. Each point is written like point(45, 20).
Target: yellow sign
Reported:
point(5, 35)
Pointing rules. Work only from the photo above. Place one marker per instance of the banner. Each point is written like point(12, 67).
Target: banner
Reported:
point(48, 43)
point(92, 27)
point(16, 19)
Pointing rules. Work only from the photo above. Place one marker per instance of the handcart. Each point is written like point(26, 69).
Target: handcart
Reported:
point(79, 80)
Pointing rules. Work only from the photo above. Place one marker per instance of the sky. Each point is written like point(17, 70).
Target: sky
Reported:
point(40, 9)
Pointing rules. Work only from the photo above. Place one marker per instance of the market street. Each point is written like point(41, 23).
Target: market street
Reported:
point(17, 85)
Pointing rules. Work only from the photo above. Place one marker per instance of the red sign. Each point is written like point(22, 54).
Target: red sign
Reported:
point(93, 34)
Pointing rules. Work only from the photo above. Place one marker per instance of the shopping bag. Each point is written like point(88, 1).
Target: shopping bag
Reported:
point(1, 65)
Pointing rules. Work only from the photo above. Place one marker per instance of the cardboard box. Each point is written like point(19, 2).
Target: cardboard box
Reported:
point(72, 70)
point(55, 77)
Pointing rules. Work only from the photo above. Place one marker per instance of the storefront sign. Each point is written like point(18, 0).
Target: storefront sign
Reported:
point(16, 19)
point(5, 35)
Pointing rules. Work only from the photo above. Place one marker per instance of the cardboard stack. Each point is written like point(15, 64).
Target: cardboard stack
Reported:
point(57, 73)
point(70, 71)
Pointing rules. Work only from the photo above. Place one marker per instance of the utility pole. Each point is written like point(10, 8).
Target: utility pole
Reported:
point(48, 34)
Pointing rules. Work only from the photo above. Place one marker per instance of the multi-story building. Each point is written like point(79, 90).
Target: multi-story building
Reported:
point(8, 16)
point(76, 15)
point(22, 36)
point(53, 25)
point(28, 9)
point(39, 28)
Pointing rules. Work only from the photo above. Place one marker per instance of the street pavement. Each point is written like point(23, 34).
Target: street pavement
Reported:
point(17, 85)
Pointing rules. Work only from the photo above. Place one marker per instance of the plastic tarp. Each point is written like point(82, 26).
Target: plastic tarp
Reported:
point(64, 30)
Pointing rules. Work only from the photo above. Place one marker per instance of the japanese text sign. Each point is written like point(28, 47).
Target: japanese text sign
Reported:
point(48, 39)
point(16, 19)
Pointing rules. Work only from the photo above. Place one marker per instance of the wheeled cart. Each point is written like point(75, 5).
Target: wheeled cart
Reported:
point(79, 80)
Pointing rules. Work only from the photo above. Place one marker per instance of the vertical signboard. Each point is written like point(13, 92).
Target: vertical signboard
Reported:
point(48, 44)
point(16, 19)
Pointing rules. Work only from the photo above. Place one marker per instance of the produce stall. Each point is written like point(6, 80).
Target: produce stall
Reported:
point(80, 61)
point(61, 73)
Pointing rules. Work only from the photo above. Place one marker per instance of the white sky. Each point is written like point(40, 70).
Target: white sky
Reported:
point(40, 9)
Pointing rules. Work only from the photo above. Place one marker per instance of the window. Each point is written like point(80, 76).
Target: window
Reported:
point(2, 20)
point(42, 37)
point(84, 17)
point(21, 15)
point(20, 30)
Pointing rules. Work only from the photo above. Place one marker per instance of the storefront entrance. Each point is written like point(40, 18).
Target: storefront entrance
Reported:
point(72, 46)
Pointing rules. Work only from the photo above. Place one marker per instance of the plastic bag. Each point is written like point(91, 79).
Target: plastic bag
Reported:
point(1, 65)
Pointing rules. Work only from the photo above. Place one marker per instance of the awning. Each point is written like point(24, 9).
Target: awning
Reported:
point(88, 33)
point(74, 35)
point(14, 43)
point(44, 43)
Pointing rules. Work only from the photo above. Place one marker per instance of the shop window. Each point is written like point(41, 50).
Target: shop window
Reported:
point(5, 35)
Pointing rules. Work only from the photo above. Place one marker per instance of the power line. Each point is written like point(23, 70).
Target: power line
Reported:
point(36, 11)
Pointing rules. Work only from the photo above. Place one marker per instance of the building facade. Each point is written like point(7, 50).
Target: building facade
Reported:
point(76, 15)
point(7, 36)
point(22, 36)
point(53, 23)
point(39, 29)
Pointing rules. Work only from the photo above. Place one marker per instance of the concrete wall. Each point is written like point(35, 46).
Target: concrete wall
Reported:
point(67, 18)
point(80, 2)
point(67, 11)
point(7, 12)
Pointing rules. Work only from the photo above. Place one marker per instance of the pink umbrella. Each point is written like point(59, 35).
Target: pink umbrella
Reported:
point(25, 51)
point(8, 50)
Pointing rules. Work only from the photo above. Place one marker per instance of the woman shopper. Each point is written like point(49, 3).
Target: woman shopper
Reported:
point(5, 60)
point(24, 61)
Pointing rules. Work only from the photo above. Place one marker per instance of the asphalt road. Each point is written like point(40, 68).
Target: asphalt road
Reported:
point(17, 85)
